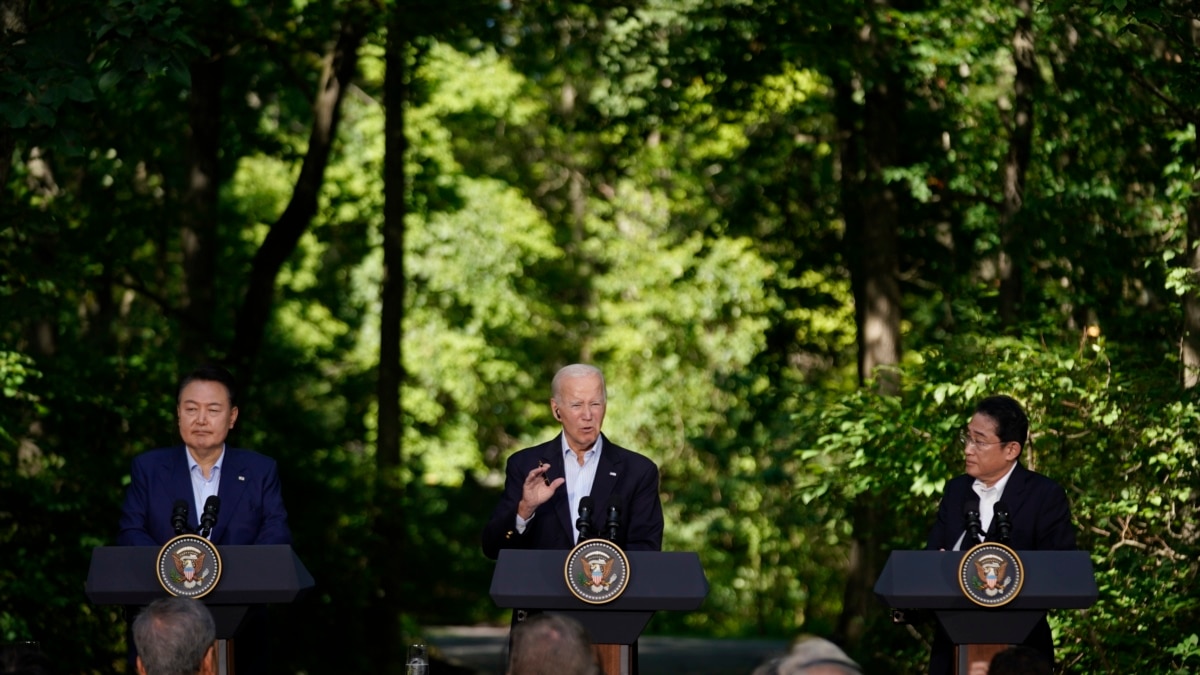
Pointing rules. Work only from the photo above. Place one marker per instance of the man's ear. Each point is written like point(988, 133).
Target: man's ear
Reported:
point(140, 667)
point(208, 665)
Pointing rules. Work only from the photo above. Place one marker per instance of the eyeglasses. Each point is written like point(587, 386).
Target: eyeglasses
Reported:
point(966, 441)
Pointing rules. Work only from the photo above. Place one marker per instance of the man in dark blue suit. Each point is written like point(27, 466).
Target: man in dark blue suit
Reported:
point(246, 483)
point(535, 513)
point(1039, 512)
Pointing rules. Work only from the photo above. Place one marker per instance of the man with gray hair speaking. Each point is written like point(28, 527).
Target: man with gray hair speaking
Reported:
point(175, 636)
point(545, 484)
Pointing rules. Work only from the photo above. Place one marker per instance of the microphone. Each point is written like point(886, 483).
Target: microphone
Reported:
point(179, 516)
point(209, 518)
point(614, 518)
point(974, 526)
point(584, 523)
point(1003, 522)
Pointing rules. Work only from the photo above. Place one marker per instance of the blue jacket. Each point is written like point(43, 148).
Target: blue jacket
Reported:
point(251, 512)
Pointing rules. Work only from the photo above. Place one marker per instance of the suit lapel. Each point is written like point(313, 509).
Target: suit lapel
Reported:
point(553, 451)
point(1012, 497)
point(231, 489)
point(608, 474)
point(175, 474)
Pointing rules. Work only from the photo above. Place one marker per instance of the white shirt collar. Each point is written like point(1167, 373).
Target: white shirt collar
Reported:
point(568, 452)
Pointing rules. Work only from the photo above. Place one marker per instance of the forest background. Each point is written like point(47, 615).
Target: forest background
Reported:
point(801, 239)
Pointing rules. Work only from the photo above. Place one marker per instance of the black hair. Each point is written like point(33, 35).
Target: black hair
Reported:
point(210, 373)
point(1020, 660)
point(1011, 423)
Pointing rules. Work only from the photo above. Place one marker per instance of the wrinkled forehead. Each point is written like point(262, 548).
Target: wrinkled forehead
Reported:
point(581, 388)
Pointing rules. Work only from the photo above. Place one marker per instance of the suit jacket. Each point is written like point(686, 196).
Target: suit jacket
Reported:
point(622, 475)
point(1041, 521)
point(251, 512)
point(1040, 513)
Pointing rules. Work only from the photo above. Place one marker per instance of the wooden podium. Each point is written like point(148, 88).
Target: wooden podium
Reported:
point(250, 576)
point(928, 580)
point(534, 580)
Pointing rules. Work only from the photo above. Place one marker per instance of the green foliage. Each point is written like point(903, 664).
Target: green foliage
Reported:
point(657, 188)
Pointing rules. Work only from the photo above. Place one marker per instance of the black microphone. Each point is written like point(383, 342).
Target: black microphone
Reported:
point(1003, 522)
point(209, 518)
point(179, 517)
point(584, 523)
point(614, 518)
point(974, 527)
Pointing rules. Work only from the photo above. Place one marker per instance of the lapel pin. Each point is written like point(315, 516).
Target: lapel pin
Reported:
point(612, 473)
point(243, 478)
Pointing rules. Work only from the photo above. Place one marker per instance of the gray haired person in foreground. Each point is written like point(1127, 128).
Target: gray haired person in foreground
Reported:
point(811, 656)
point(175, 636)
point(551, 644)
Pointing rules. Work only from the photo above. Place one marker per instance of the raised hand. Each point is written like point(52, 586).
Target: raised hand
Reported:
point(536, 490)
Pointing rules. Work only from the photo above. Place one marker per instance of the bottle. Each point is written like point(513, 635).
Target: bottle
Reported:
point(418, 660)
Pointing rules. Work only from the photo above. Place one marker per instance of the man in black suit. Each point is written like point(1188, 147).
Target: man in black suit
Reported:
point(535, 513)
point(1039, 512)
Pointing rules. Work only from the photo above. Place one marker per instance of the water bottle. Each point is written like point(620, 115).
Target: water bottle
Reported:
point(418, 660)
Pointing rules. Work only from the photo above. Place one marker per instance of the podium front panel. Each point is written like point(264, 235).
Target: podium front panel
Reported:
point(929, 580)
point(534, 579)
point(128, 575)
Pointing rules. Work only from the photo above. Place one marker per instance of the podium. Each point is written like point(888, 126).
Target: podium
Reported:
point(534, 580)
point(928, 580)
point(250, 576)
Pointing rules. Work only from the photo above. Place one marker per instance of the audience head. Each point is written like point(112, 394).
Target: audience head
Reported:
point(551, 644)
point(1020, 660)
point(811, 656)
point(175, 636)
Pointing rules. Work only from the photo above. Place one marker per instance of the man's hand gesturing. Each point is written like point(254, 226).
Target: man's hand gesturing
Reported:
point(537, 490)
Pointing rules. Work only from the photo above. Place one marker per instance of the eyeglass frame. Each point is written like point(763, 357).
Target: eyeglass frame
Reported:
point(965, 441)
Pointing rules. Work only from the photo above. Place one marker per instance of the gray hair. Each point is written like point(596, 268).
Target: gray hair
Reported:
point(811, 656)
point(551, 644)
point(172, 636)
point(572, 371)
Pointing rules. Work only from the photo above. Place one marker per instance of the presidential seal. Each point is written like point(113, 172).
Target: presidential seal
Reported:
point(597, 571)
point(991, 574)
point(189, 566)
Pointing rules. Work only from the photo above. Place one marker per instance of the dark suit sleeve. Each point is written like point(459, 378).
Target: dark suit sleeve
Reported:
point(501, 530)
point(937, 534)
point(135, 511)
point(1052, 529)
point(949, 524)
point(645, 520)
point(273, 528)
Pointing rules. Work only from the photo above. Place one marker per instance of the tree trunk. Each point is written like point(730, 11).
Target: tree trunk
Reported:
point(284, 235)
point(392, 538)
point(869, 145)
point(1191, 301)
point(198, 217)
point(14, 19)
point(1013, 255)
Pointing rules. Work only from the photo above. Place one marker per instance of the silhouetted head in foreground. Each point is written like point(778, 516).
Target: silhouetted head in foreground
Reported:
point(811, 656)
point(551, 644)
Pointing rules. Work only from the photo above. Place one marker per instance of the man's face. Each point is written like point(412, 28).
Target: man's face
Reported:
point(205, 416)
point(580, 407)
point(986, 458)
